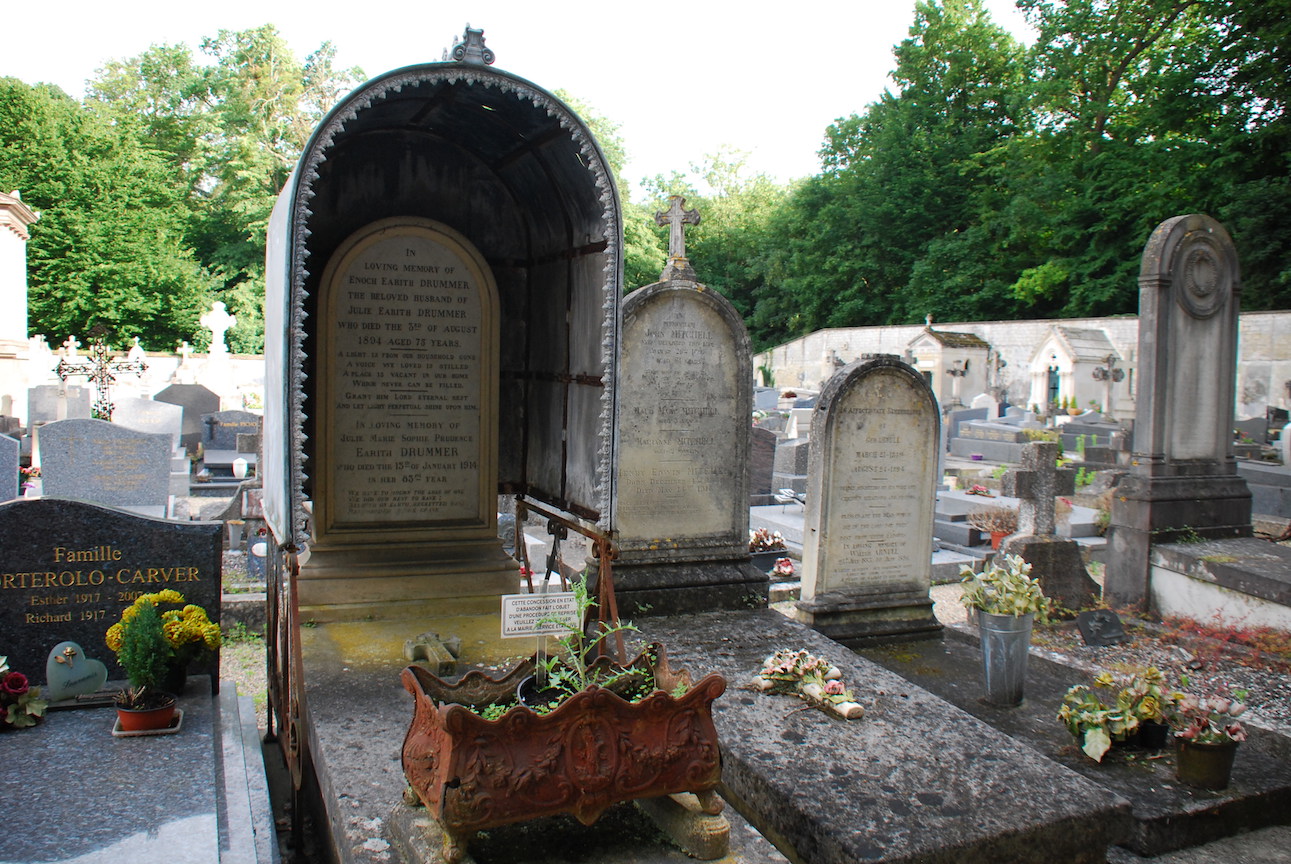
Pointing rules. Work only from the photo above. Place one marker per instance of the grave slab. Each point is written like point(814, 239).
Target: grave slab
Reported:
point(917, 780)
point(1165, 814)
point(195, 797)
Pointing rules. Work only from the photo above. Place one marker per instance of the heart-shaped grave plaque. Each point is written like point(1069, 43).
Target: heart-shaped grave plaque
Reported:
point(69, 673)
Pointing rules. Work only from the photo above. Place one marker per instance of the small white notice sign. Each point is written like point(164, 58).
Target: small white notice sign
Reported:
point(522, 612)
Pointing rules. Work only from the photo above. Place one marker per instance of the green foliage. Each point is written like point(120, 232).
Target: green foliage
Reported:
point(1096, 724)
point(574, 669)
point(145, 653)
point(1084, 477)
point(1004, 590)
point(155, 193)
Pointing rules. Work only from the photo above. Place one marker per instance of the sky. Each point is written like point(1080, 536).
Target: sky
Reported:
point(681, 79)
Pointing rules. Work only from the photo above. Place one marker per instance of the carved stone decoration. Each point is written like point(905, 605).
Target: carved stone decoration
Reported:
point(595, 750)
point(1206, 283)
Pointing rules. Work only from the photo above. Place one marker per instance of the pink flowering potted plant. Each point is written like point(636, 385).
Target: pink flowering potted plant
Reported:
point(1206, 735)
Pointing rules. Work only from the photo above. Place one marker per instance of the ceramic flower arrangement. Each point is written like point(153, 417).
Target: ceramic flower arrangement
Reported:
point(813, 679)
point(765, 540)
point(20, 703)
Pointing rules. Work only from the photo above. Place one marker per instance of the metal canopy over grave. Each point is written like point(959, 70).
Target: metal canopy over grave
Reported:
point(460, 224)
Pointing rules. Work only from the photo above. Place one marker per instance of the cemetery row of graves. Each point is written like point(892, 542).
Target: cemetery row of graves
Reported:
point(446, 683)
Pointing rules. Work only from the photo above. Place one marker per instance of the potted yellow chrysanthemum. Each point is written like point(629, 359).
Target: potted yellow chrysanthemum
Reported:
point(155, 649)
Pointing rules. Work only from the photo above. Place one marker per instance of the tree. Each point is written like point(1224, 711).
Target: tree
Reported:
point(109, 246)
point(233, 131)
point(905, 174)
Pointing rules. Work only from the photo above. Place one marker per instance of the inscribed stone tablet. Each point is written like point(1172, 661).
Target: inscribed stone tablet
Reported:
point(681, 454)
point(875, 471)
point(408, 344)
point(101, 462)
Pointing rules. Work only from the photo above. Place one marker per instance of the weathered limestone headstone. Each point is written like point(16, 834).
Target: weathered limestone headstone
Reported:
point(408, 356)
point(1183, 476)
point(1055, 561)
point(197, 401)
point(9, 450)
point(68, 568)
point(103, 463)
point(685, 402)
point(867, 532)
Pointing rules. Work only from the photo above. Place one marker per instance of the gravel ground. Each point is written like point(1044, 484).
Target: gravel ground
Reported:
point(1209, 664)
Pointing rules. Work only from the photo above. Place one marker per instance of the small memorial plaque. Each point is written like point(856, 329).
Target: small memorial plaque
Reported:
point(1100, 627)
point(538, 614)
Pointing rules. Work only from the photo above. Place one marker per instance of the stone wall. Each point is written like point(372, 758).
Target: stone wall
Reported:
point(1263, 360)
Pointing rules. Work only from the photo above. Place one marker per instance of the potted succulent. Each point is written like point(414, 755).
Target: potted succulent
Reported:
point(1136, 713)
point(20, 703)
point(155, 649)
point(765, 546)
point(1006, 601)
point(998, 522)
point(594, 733)
point(1206, 735)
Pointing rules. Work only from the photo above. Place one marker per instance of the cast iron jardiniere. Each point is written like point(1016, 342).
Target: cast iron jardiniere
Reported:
point(1006, 600)
point(612, 732)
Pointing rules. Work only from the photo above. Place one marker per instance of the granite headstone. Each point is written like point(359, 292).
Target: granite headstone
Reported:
point(45, 403)
point(196, 401)
point(103, 463)
point(9, 486)
point(220, 430)
point(68, 568)
point(149, 415)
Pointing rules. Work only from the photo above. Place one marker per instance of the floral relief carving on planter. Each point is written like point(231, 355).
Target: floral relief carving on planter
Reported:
point(594, 750)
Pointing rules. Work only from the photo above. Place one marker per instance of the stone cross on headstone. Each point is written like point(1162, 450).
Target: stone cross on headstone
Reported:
point(1037, 483)
point(70, 346)
point(676, 217)
point(218, 322)
point(99, 369)
point(183, 350)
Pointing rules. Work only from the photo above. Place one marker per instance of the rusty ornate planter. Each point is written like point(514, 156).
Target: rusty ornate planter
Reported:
point(594, 750)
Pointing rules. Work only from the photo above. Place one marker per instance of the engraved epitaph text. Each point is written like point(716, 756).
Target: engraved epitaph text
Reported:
point(408, 308)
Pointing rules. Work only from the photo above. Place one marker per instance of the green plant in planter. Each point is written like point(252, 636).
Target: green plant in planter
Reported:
point(1096, 724)
point(145, 655)
point(575, 669)
point(1004, 590)
point(150, 643)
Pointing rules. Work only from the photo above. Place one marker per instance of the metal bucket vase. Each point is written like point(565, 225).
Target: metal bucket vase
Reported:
point(1005, 639)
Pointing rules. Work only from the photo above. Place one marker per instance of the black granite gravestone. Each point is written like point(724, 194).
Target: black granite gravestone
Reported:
point(67, 569)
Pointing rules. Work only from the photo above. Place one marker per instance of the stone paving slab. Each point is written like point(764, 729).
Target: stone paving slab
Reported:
point(72, 791)
point(917, 780)
point(1167, 815)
